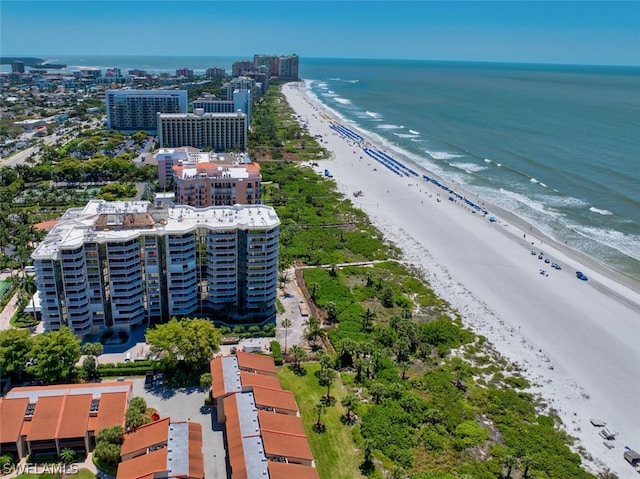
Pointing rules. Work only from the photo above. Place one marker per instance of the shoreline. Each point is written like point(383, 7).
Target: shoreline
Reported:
point(551, 326)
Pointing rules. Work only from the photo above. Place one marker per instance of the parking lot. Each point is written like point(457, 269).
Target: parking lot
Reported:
point(187, 404)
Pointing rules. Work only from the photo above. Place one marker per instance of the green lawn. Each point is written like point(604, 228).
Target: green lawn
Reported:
point(4, 287)
point(334, 450)
point(82, 474)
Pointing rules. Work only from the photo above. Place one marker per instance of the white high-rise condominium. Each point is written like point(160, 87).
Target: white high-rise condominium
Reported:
point(119, 264)
point(218, 131)
point(131, 110)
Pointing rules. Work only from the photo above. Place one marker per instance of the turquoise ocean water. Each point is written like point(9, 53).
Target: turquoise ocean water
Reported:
point(558, 146)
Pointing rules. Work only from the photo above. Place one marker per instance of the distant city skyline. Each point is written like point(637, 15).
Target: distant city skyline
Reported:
point(581, 32)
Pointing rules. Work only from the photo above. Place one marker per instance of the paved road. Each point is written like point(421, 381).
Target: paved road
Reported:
point(291, 297)
point(188, 405)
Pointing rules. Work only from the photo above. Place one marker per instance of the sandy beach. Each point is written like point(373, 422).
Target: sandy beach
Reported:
point(578, 342)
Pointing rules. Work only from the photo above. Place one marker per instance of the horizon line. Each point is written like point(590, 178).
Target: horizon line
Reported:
point(510, 62)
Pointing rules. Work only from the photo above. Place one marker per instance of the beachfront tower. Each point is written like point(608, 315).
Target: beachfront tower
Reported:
point(115, 265)
point(133, 110)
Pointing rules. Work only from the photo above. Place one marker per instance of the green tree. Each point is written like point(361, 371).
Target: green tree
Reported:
point(378, 392)
point(15, 348)
point(327, 378)
point(54, 355)
point(367, 320)
point(111, 434)
point(387, 297)
point(138, 403)
point(92, 349)
point(67, 455)
point(298, 355)
point(313, 329)
point(320, 409)
point(286, 323)
point(133, 419)
point(206, 381)
point(192, 341)
point(107, 452)
point(350, 402)
point(332, 311)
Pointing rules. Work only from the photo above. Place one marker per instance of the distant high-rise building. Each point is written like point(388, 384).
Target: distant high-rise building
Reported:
point(119, 264)
point(131, 110)
point(137, 73)
point(288, 68)
point(184, 72)
point(218, 131)
point(216, 72)
point(241, 102)
point(17, 66)
point(270, 62)
point(239, 68)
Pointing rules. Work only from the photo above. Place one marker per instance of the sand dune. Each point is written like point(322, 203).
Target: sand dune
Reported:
point(578, 342)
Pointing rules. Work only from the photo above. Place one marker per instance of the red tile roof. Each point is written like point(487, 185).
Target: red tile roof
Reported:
point(144, 465)
point(46, 225)
point(45, 418)
point(275, 398)
point(217, 378)
point(74, 416)
point(196, 459)
point(256, 362)
point(111, 411)
point(235, 449)
point(274, 422)
point(145, 436)
point(283, 470)
point(253, 379)
point(286, 445)
point(12, 415)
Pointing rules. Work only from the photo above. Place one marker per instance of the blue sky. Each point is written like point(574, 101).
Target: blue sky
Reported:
point(542, 32)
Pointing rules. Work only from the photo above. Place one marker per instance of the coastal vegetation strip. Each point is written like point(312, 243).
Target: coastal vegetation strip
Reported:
point(432, 398)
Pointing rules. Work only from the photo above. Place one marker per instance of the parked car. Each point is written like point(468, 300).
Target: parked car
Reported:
point(148, 380)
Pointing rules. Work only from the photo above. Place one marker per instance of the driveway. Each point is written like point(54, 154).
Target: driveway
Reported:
point(291, 297)
point(187, 404)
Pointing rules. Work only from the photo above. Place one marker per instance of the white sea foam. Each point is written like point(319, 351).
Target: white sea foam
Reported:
point(414, 132)
point(442, 155)
point(593, 209)
point(563, 201)
point(530, 203)
point(487, 160)
point(331, 91)
point(344, 101)
point(468, 167)
point(323, 85)
point(330, 95)
point(533, 180)
point(627, 244)
point(373, 114)
point(391, 127)
point(543, 185)
point(405, 135)
point(498, 164)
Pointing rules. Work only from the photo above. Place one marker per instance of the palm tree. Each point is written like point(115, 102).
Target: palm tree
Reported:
point(314, 290)
point(367, 320)
point(378, 391)
point(320, 409)
point(298, 355)
point(67, 455)
point(350, 401)
point(527, 462)
point(29, 288)
point(314, 330)
point(509, 462)
point(326, 379)
point(286, 322)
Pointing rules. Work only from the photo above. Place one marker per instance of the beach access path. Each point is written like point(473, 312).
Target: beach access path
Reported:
point(578, 342)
